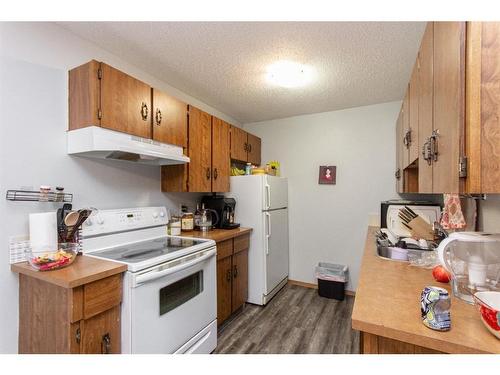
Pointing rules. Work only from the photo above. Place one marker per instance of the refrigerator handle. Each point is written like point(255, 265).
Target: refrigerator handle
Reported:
point(268, 196)
point(268, 231)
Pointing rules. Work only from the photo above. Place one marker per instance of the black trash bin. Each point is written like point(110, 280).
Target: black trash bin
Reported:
point(332, 279)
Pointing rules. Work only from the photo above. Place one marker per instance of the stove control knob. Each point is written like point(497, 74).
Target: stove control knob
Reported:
point(100, 220)
point(155, 215)
point(88, 222)
point(162, 214)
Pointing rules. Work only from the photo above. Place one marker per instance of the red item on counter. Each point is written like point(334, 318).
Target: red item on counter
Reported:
point(440, 274)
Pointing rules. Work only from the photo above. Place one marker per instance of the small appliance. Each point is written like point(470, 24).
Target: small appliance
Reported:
point(205, 219)
point(473, 259)
point(390, 218)
point(225, 209)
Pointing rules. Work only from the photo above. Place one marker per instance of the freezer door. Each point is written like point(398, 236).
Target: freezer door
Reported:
point(276, 247)
point(275, 193)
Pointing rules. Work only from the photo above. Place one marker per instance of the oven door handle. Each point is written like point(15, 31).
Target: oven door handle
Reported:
point(150, 276)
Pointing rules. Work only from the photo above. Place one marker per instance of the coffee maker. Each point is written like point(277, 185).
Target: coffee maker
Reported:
point(225, 209)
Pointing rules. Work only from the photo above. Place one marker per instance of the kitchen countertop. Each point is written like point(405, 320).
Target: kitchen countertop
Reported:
point(83, 270)
point(218, 235)
point(388, 304)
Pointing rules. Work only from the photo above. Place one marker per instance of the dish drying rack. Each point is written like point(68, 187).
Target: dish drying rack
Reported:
point(37, 196)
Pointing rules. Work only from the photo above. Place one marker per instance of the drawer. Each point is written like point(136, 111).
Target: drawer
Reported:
point(241, 243)
point(101, 295)
point(224, 249)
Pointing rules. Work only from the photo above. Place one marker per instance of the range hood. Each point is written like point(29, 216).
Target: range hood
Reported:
point(96, 142)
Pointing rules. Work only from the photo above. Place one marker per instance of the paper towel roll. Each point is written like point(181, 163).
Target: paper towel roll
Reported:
point(43, 231)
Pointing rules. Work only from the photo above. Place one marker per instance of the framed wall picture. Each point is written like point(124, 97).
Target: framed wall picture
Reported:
point(327, 175)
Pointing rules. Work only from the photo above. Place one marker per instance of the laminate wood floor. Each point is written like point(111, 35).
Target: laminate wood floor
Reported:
point(296, 320)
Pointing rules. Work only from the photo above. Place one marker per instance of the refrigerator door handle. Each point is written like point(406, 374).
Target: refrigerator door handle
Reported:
point(268, 231)
point(268, 196)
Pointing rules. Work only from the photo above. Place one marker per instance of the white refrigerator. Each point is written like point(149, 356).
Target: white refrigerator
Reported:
point(262, 204)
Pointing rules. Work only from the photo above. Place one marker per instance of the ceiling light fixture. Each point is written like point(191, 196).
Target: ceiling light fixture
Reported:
point(289, 74)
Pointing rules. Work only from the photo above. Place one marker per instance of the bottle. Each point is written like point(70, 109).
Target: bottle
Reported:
point(197, 217)
point(248, 169)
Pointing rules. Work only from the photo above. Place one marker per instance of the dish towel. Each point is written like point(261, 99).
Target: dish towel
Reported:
point(452, 217)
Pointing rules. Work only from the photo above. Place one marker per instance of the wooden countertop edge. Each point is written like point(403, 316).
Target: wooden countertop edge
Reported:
point(25, 269)
point(218, 235)
point(426, 342)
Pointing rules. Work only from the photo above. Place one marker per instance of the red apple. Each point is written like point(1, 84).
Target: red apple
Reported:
point(441, 274)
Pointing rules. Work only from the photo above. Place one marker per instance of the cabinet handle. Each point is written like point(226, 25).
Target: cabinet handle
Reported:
point(158, 116)
point(215, 174)
point(208, 173)
point(426, 151)
point(245, 147)
point(407, 138)
point(229, 275)
point(144, 111)
point(106, 344)
point(235, 271)
point(434, 145)
point(78, 335)
point(249, 147)
point(398, 174)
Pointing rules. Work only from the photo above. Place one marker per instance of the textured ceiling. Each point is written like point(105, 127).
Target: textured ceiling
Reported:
point(224, 63)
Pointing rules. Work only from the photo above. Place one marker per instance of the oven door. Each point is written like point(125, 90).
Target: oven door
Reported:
point(173, 302)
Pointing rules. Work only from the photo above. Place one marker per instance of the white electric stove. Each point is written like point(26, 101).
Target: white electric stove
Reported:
point(169, 290)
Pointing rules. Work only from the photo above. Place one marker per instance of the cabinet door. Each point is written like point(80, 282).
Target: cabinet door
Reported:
point(425, 123)
point(224, 282)
point(169, 119)
point(399, 153)
point(221, 158)
point(414, 95)
point(200, 151)
point(406, 128)
point(254, 149)
point(101, 333)
point(448, 105)
point(240, 279)
point(239, 144)
point(125, 103)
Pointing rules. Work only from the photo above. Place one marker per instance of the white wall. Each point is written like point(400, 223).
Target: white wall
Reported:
point(329, 223)
point(34, 62)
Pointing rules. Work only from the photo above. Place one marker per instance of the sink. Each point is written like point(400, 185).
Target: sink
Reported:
point(386, 253)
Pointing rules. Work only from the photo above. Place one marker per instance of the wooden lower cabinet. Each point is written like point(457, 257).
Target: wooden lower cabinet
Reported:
point(80, 320)
point(232, 276)
point(373, 344)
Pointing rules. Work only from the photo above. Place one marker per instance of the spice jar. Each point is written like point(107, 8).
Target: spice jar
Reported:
point(174, 226)
point(187, 221)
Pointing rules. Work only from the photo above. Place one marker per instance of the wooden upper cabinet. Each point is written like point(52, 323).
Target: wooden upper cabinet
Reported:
point(448, 104)
point(483, 107)
point(169, 119)
point(239, 144)
point(125, 103)
point(253, 148)
point(84, 96)
point(221, 158)
point(425, 123)
point(200, 151)
point(413, 115)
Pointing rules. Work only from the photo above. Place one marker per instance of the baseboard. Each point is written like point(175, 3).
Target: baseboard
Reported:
point(315, 286)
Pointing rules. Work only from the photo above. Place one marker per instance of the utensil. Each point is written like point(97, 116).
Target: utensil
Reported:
point(74, 220)
point(489, 307)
